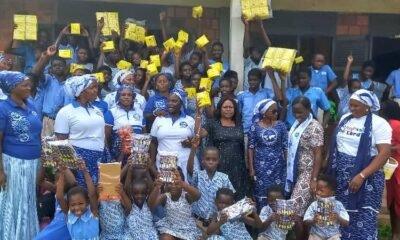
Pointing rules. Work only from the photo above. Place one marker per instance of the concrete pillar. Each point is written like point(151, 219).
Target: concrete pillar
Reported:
point(236, 41)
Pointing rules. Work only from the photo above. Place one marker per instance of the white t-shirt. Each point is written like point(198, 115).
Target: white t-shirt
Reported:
point(123, 118)
point(170, 136)
point(84, 126)
point(140, 101)
point(349, 135)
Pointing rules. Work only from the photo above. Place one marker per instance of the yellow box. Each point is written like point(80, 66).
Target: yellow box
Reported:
point(191, 92)
point(169, 44)
point(26, 27)
point(202, 41)
point(108, 46)
point(100, 77)
point(213, 73)
point(130, 31)
point(203, 99)
point(256, 9)
point(155, 59)
point(178, 46)
point(151, 41)
point(299, 60)
point(144, 63)
point(152, 68)
point(75, 28)
point(74, 66)
point(279, 59)
point(140, 33)
point(183, 36)
point(111, 22)
point(122, 64)
point(65, 53)
point(206, 84)
point(197, 12)
point(217, 66)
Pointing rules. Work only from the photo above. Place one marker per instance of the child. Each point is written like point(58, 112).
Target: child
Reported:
point(104, 89)
point(326, 187)
point(394, 84)
point(230, 230)
point(226, 90)
point(268, 216)
point(322, 75)
point(80, 207)
point(207, 181)
point(178, 222)
point(139, 222)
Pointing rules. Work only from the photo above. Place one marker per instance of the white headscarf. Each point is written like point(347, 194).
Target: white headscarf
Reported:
point(368, 98)
point(74, 86)
point(120, 76)
point(261, 108)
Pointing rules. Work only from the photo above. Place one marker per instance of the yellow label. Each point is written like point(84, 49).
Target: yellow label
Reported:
point(74, 66)
point(155, 59)
point(279, 59)
point(183, 36)
point(108, 46)
point(191, 92)
point(202, 41)
point(136, 33)
point(205, 84)
point(299, 60)
point(217, 66)
point(122, 64)
point(144, 63)
point(203, 99)
point(169, 44)
point(151, 41)
point(75, 28)
point(26, 27)
point(100, 77)
point(111, 22)
point(197, 12)
point(213, 73)
point(65, 53)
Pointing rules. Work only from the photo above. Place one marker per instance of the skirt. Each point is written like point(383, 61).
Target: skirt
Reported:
point(18, 213)
point(92, 159)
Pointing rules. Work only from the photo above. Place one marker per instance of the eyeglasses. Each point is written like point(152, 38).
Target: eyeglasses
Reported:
point(273, 111)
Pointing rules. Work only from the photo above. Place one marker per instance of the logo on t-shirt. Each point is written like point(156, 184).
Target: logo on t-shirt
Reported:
point(183, 124)
point(269, 136)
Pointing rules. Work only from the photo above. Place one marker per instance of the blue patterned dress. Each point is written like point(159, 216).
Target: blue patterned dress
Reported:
point(270, 145)
point(139, 224)
point(112, 220)
point(178, 220)
point(235, 230)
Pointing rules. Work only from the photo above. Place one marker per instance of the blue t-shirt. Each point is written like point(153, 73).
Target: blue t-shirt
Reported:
point(38, 102)
point(247, 102)
point(54, 97)
point(156, 102)
point(321, 77)
point(28, 54)
point(101, 104)
point(21, 130)
point(394, 81)
point(316, 96)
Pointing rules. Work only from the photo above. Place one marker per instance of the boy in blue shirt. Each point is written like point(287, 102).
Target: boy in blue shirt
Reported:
point(394, 83)
point(322, 75)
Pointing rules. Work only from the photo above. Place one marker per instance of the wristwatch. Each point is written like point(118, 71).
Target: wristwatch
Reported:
point(314, 179)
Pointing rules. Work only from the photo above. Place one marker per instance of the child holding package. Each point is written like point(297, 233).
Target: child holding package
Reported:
point(320, 229)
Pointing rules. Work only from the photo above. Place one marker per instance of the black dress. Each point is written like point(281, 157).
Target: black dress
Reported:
point(230, 143)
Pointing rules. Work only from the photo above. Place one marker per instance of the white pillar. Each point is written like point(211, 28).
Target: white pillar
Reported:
point(236, 41)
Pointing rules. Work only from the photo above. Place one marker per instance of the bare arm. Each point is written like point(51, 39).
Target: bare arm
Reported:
point(250, 155)
point(100, 62)
point(190, 164)
point(331, 87)
point(60, 193)
point(44, 60)
point(63, 32)
point(214, 226)
point(163, 17)
point(284, 103)
point(3, 178)
point(100, 25)
point(177, 64)
point(93, 199)
point(108, 133)
point(125, 201)
point(346, 74)
point(252, 220)
point(277, 90)
point(156, 198)
point(246, 37)
point(153, 150)
point(192, 193)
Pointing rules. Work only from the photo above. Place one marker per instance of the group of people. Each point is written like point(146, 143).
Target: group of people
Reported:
point(265, 142)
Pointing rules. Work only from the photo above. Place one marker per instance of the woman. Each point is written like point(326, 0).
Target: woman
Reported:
point(173, 132)
point(225, 132)
point(267, 149)
point(20, 150)
point(360, 148)
point(122, 115)
point(83, 124)
point(390, 110)
point(306, 138)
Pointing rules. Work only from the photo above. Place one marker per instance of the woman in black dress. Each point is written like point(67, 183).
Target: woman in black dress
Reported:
point(225, 132)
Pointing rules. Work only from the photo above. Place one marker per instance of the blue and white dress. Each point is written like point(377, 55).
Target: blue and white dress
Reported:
point(178, 221)
point(139, 224)
point(235, 230)
point(270, 145)
point(272, 232)
point(85, 227)
point(112, 220)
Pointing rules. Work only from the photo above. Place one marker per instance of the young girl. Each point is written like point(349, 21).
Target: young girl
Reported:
point(139, 222)
point(230, 230)
point(178, 222)
point(80, 207)
point(268, 216)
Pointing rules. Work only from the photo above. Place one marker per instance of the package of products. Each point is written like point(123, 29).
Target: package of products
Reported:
point(65, 153)
point(279, 59)
point(168, 165)
point(197, 11)
point(191, 92)
point(100, 77)
point(256, 9)
point(140, 149)
point(155, 59)
point(183, 36)
point(110, 174)
point(169, 44)
point(111, 22)
point(122, 64)
point(150, 41)
point(285, 210)
point(108, 46)
point(204, 99)
point(325, 208)
point(126, 135)
point(47, 153)
point(239, 209)
point(75, 28)
point(65, 53)
point(202, 41)
point(206, 84)
point(26, 27)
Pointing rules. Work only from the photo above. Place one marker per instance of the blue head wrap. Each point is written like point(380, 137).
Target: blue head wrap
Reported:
point(168, 76)
point(10, 79)
point(120, 76)
point(261, 108)
point(74, 86)
point(368, 98)
point(121, 88)
point(183, 97)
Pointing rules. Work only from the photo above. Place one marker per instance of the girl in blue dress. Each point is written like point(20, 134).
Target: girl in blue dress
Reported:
point(268, 139)
point(178, 222)
point(80, 207)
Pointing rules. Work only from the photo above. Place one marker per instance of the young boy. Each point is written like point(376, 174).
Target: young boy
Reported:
point(207, 181)
point(394, 83)
point(326, 187)
point(322, 75)
point(269, 216)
